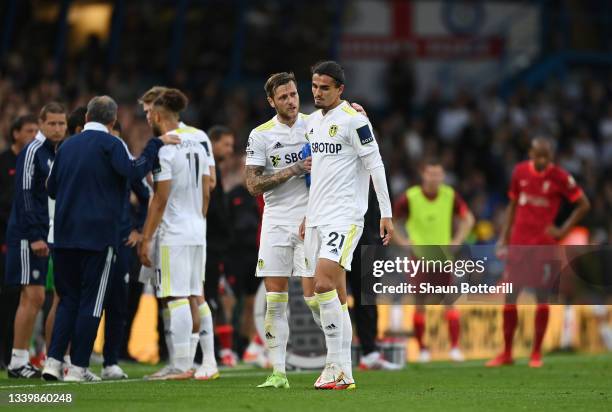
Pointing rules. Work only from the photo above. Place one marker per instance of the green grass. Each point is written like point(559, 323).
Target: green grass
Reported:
point(566, 382)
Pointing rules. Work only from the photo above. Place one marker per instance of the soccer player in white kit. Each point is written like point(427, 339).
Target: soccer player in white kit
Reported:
point(344, 157)
point(146, 100)
point(178, 208)
point(275, 167)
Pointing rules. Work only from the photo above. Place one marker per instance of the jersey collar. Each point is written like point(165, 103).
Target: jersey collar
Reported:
point(40, 137)
point(342, 103)
point(95, 126)
point(281, 124)
point(429, 196)
point(535, 172)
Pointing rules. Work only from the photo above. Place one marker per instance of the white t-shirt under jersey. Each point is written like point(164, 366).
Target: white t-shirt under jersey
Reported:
point(184, 164)
point(276, 146)
point(339, 180)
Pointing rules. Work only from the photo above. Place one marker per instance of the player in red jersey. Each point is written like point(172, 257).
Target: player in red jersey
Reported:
point(536, 190)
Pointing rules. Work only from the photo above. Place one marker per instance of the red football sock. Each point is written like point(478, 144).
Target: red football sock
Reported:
point(418, 321)
point(541, 322)
point(258, 340)
point(510, 321)
point(452, 316)
point(225, 332)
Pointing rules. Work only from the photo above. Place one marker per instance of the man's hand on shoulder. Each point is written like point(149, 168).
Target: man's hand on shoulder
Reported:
point(170, 139)
point(359, 109)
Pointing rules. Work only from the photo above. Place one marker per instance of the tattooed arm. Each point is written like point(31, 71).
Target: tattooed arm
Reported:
point(257, 183)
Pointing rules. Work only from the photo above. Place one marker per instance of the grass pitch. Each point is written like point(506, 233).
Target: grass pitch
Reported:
point(565, 383)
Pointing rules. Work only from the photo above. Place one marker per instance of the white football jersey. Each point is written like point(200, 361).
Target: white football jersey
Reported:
point(276, 146)
point(205, 142)
point(339, 180)
point(184, 164)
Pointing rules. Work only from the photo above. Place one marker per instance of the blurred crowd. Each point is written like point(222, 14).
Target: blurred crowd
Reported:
point(479, 136)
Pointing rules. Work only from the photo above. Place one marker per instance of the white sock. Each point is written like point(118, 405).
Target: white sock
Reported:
point(313, 304)
point(168, 335)
point(180, 328)
point(332, 322)
point(347, 339)
point(67, 360)
point(207, 336)
point(193, 345)
point(276, 326)
point(19, 358)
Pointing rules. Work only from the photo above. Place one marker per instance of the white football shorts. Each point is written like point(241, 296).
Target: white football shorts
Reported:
point(281, 252)
point(180, 271)
point(332, 242)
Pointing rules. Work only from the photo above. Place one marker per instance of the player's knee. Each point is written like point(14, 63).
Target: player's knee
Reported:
point(342, 295)
point(34, 297)
point(324, 285)
point(308, 286)
point(277, 285)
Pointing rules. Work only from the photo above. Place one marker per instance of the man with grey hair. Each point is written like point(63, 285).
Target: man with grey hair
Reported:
point(88, 181)
point(102, 109)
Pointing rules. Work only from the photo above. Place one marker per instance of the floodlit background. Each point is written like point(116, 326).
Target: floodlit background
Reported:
point(469, 81)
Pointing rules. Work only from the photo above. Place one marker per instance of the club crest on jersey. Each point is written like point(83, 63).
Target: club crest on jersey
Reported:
point(545, 186)
point(333, 129)
point(275, 159)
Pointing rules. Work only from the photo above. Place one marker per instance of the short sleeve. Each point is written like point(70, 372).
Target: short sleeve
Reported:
point(207, 145)
point(361, 136)
point(163, 171)
point(255, 151)
point(514, 190)
point(401, 209)
point(569, 188)
point(460, 208)
point(206, 164)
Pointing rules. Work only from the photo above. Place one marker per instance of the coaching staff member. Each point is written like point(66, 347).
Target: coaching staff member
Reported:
point(88, 181)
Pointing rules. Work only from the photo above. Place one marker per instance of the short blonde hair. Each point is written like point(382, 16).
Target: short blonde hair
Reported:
point(150, 95)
